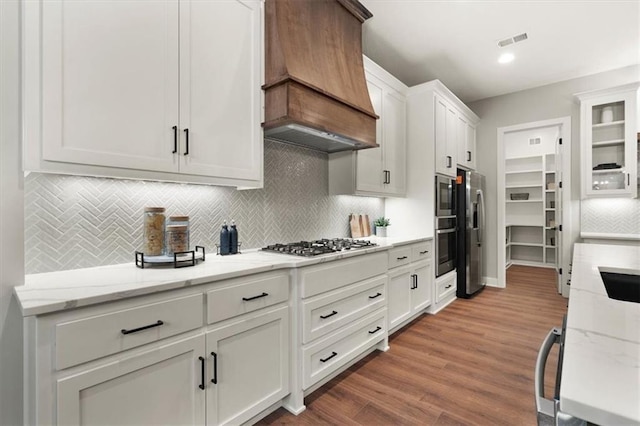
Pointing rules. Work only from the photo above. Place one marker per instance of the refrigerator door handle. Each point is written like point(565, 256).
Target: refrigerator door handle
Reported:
point(480, 197)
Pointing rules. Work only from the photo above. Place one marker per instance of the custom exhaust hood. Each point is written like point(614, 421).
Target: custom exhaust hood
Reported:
point(315, 89)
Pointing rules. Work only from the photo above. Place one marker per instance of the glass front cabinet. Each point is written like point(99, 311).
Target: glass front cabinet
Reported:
point(609, 142)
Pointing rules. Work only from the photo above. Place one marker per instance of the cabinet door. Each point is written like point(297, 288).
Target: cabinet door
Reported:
point(250, 366)
point(158, 387)
point(394, 128)
point(109, 82)
point(451, 142)
point(220, 95)
point(399, 296)
point(445, 137)
point(422, 292)
point(470, 154)
point(461, 141)
point(369, 174)
point(610, 147)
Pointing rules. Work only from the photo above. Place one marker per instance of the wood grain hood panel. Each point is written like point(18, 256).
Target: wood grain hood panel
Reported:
point(315, 89)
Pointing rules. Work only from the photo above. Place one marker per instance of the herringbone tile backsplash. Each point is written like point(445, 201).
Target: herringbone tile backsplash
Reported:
point(76, 222)
point(610, 215)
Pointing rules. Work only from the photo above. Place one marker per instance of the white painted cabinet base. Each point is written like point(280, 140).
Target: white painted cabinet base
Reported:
point(158, 387)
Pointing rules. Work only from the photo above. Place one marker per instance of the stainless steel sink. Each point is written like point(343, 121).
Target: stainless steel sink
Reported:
point(621, 284)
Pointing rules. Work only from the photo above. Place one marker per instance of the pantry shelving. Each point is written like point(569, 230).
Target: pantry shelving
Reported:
point(530, 224)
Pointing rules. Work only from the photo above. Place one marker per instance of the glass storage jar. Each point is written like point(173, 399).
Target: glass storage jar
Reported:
point(177, 239)
point(153, 238)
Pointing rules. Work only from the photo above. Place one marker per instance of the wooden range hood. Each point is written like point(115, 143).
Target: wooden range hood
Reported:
point(315, 89)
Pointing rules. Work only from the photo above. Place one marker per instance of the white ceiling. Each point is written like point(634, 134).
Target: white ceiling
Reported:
point(456, 41)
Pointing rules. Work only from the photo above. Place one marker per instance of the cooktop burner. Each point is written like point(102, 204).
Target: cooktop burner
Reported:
point(317, 247)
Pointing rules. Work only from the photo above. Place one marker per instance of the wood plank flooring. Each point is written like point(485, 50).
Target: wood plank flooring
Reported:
point(471, 364)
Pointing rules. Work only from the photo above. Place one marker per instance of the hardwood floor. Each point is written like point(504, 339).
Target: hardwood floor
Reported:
point(471, 364)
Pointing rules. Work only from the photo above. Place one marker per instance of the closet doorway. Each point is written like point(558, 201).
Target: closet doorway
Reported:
point(534, 181)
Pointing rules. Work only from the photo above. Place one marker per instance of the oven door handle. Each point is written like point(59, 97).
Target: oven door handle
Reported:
point(446, 231)
point(543, 405)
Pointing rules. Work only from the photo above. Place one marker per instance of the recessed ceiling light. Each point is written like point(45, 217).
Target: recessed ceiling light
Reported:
point(505, 58)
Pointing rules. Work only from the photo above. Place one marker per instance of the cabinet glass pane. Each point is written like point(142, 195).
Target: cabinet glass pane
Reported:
point(607, 146)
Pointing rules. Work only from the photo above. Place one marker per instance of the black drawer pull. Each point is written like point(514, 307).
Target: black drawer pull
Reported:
point(246, 299)
point(201, 385)
point(378, 328)
point(329, 357)
point(424, 252)
point(401, 258)
point(215, 368)
point(329, 315)
point(135, 330)
point(175, 139)
point(186, 140)
point(376, 295)
point(449, 286)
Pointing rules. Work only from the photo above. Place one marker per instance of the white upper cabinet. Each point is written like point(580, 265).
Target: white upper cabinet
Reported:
point(466, 143)
point(166, 90)
point(609, 147)
point(376, 171)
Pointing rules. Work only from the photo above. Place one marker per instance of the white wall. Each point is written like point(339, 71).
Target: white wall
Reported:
point(542, 103)
point(11, 216)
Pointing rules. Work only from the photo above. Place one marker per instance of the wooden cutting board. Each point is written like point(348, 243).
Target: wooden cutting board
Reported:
point(360, 226)
point(366, 226)
point(354, 224)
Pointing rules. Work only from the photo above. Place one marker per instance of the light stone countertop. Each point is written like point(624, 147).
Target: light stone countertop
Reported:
point(601, 364)
point(56, 291)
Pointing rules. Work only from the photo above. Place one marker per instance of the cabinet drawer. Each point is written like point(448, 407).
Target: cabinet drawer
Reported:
point(246, 295)
point(94, 337)
point(326, 356)
point(341, 307)
point(399, 256)
point(332, 275)
point(421, 251)
point(446, 287)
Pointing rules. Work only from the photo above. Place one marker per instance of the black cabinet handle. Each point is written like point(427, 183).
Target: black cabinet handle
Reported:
point(376, 295)
point(201, 385)
point(449, 286)
point(215, 368)
point(388, 176)
point(414, 281)
point(378, 328)
point(135, 330)
point(449, 161)
point(424, 252)
point(401, 258)
point(468, 155)
point(628, 179)
point(186, 141)
point(329, 357)
point(246, 299)
point(175, 139)
point(329, 315)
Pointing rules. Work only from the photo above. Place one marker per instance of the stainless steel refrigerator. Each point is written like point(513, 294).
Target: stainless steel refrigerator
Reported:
point(470, 214)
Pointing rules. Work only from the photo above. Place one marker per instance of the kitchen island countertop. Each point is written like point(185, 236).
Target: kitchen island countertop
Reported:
point(55, 291)
point(601, 364)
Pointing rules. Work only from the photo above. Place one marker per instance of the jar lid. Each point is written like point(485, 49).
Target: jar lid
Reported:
point(177, 228)
point(154, 209)
point(179, 218)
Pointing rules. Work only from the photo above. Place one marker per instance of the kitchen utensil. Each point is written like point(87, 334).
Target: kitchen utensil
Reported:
point(354, 224)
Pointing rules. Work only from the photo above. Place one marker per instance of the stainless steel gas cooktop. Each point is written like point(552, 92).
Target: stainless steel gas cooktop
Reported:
point(318, 247)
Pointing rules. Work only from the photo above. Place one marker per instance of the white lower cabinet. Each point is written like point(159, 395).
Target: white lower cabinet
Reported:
point(250, 367)
point(153, 361)
point(155, 387)
point(410, 291)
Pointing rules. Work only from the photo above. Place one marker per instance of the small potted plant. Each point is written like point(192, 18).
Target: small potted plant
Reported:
point(381, 224)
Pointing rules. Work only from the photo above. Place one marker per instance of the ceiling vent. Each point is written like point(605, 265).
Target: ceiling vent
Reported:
point(511, 40)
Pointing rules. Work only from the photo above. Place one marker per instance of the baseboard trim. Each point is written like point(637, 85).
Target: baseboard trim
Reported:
point(492, 282)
